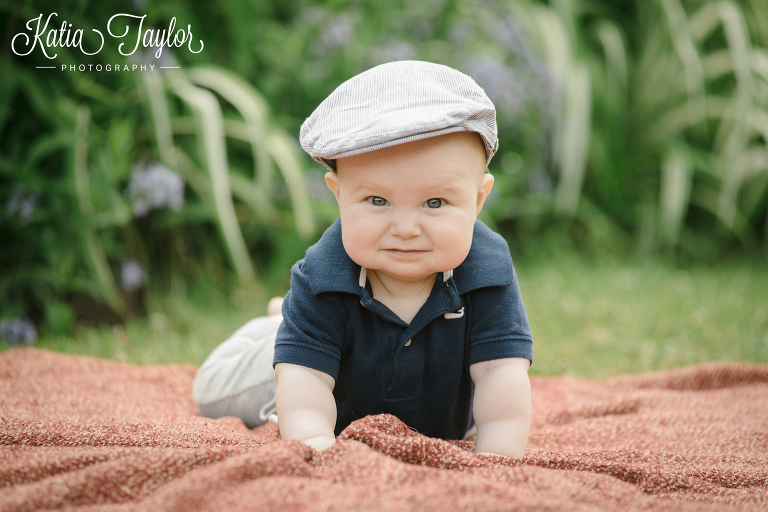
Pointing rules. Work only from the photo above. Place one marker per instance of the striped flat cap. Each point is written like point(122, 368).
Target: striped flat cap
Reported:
point(395, 103)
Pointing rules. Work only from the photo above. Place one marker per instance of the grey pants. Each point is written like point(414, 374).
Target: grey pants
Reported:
point(237, 379)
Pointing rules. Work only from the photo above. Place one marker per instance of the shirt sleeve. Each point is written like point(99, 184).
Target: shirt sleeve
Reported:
point(313, 326)
point(499, 326)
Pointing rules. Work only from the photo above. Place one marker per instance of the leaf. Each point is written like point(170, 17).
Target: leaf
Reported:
point(676, 180)
point(686, 51)
point(734, 132)
point(283, 149)
point(267, 142)
point(94, 249)
point(574, 137)
point(573, 126)
point(210, 125)
point(617, 64)
point(251, 106)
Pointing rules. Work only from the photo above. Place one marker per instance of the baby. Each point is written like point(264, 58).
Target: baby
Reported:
point(408, 304)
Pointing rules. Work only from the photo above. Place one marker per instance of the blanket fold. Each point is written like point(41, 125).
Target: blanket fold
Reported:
point(79, 433)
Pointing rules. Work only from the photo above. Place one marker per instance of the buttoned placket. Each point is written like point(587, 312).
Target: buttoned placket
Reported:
point(443, 300)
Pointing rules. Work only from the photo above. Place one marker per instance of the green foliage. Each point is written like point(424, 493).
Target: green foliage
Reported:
point(88, 174)
point(630, 126)
point(661, 123)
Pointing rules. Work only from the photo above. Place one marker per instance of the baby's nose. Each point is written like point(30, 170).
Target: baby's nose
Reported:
point(405, 225)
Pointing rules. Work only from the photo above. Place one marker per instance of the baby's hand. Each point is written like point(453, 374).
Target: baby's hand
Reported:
point(305, 405)
point(320, 443)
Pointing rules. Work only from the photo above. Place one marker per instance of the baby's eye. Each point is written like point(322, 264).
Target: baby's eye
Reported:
point(434, 203)
point(377, 201)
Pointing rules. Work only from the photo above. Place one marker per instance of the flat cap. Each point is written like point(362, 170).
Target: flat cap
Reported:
point(395, 103)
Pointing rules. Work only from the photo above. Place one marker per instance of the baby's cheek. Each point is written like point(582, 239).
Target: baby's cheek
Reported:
point(454, 245)
point(357, 242)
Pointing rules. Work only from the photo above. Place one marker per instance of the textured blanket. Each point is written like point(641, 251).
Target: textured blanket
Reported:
point(87, 434)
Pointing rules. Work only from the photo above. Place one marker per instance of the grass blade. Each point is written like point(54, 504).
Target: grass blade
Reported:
point(574, 139)
point(735, 132)
point(267, 142)
point(686, 52)
point(154, 93)
point(676, 178)
point(253, 108)
point(210, 122)
point(94, 250)
point(573, 126)
point(617, 65)
point(283, 149)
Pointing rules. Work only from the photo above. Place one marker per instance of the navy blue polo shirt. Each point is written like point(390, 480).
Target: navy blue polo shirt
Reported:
point(418, 372)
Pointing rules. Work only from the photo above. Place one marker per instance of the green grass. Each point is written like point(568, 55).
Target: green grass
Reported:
point(179, 328)
point(602, 319)
point(589, 319)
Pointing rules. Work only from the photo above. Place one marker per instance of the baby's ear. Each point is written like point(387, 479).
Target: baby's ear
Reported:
point(482, 193)
point(332, 180)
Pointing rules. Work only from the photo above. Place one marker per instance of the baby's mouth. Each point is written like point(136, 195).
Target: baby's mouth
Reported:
point(405, 252)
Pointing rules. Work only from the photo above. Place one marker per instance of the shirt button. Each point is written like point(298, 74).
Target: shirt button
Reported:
point(407, 343)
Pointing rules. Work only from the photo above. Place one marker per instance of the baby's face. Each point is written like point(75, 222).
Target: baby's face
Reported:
point(408, 211)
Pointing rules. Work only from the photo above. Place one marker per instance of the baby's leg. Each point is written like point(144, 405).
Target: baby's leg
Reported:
point(237, 379)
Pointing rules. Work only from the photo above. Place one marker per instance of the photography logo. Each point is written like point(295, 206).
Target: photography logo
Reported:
point(125, 30)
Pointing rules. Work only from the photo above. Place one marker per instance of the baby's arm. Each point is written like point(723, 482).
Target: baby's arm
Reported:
point(305, 405)
point(502, 406)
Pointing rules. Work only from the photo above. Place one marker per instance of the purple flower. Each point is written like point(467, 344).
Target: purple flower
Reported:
point(155, 187)
point(507, 31)
point(18, 331)
point(499, 82)
point(461, 33)
point(337, 32)
point(533, 72)
point(22, 204)
point(132, 276)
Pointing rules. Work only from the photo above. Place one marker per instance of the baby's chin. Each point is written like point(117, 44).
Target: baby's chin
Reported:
point(406, 274)
point(400, 268)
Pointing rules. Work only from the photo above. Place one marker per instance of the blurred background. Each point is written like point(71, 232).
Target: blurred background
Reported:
point(145, 215)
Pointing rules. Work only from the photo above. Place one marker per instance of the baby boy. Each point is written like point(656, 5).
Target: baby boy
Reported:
point(408, 304)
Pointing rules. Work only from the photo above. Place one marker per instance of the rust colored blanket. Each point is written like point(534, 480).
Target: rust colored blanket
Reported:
point(87, 434)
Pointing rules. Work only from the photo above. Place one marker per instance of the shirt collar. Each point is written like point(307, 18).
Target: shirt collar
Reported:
point(364, 276)
point(487, 264)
